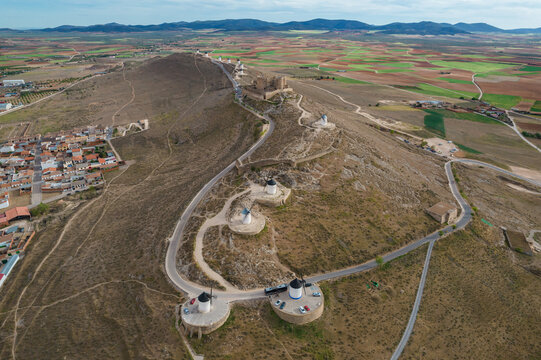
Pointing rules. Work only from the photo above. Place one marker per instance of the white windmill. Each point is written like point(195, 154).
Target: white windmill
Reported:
point(246, 216)
point(270, 188)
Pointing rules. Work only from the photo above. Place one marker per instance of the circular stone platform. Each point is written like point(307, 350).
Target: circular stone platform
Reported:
point(255, 227)
point(204, 323)
point(319, 124)
point(260, 195)
point(291, 312)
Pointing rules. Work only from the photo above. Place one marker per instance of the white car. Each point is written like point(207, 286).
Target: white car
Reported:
point(301, 309)
point(316, 294)
point(278, 302)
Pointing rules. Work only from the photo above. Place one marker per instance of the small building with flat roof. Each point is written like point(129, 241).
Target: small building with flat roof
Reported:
point(443, 212)
point(517, 241)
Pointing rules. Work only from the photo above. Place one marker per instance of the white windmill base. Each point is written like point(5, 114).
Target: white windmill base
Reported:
point(256, 225)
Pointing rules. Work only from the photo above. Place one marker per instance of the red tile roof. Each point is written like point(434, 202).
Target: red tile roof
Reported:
point(16, 212)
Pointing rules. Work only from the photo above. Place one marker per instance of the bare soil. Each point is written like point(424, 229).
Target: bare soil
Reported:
point(104, 283)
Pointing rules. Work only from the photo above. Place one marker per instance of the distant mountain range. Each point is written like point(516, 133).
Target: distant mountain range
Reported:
point(419, 28)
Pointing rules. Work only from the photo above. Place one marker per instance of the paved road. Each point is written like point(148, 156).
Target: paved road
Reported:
point(464, 219)
point(179, 282)
point(193, 289)
point(515, 129)
point(413, 316)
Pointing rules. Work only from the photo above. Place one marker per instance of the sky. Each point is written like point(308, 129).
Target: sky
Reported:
point(506, 14)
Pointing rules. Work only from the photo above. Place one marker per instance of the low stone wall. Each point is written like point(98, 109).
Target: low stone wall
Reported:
point(300, 319)
point(203, 330)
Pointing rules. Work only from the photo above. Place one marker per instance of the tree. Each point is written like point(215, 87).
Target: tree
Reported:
point(39, 210)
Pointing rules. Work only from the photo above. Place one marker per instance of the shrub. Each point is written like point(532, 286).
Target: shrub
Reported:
point(39, 210)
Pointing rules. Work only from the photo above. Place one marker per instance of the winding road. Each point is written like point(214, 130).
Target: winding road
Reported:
point(477, 86)
point(192, 289)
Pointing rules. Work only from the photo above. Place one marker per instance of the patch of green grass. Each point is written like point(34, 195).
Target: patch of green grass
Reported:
point(530, 68)
point(502, 101)
point(322, 68)
point(99, 51)
point(360, 67)
point(268, 61)
point(384, 71)
point(270, 52)
point(536, 106)
point(467, 149)
point(349, 80)
point(315, 50)
point(435, 123)
point(495, 73)
point(454, 81)
point(471, 56)
point(463, 116)
point(437, 91)
point(397, 64)
point(473, 66)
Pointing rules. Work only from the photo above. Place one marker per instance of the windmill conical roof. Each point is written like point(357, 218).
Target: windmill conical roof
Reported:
point(295, 284)
point(203, 297)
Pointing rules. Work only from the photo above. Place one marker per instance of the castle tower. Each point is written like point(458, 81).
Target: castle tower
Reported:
point(280, 83)
point(219, 58)
point(260, 83)
point(295, 289)
point(229, 61)
point(204, 303)
point(324, 119)
point(271, 187)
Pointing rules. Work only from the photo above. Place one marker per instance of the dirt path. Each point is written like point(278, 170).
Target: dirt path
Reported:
point(366, 115)
point(36, 272)
point(132, 95)
point(104, 210)
point(218, 219)
point(304, 113)
point(477, 86)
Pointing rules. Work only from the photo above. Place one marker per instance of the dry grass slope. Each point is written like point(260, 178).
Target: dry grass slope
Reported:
point(103, 293)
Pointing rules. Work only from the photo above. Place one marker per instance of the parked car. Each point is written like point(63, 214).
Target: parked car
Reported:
point(192, 301)
point(301, 309)
point(316, 294)
point(283, 305)
point(306, 308)
point(186, 311)
point(278, 302)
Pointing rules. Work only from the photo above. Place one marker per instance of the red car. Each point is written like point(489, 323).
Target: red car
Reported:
point(306, 308)
point(192, 301)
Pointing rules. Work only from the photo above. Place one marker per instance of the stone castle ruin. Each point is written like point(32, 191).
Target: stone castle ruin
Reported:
point(264, 88)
